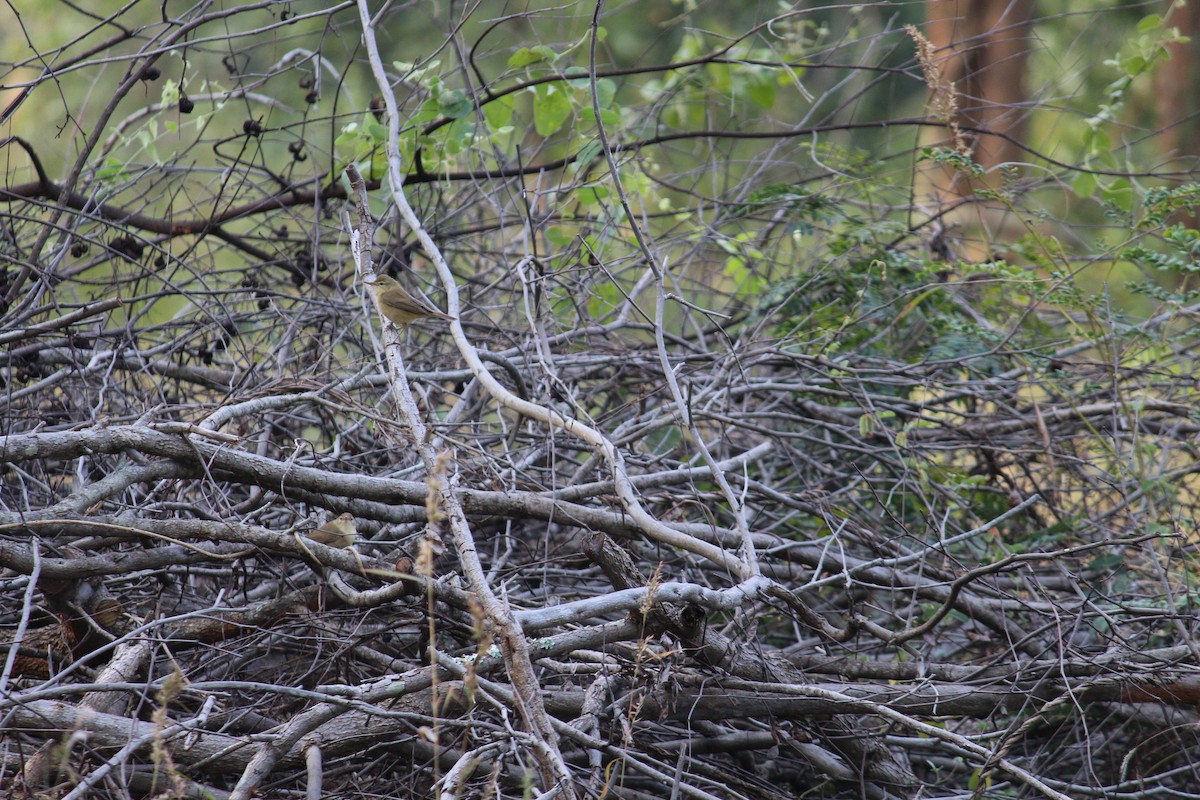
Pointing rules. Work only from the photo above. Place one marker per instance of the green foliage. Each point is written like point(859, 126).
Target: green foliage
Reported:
point(363, 144)
point(1162, 202)
point(801, 206)
point(1170, 250)
point(948, 156)
point(1179, 256)
point(527, 56)
point(551, 108)
point(1135, 61)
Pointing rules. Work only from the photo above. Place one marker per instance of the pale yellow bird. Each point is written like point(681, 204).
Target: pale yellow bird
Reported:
point(398, 305)
point(339, 532)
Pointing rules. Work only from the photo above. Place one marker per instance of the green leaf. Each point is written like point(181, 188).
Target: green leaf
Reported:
point(720, 77)
point(591, 195)
point(761, 90)
point(420, 75)
point(866, 425)
point(455, 104)
point(586, 155)
point(112, 169)
point(428, 112)
point(735, 268)
point(348, 135)
point(1133, 65)
point(728, 246)
point(609, 116)
point(606, 90)
point(1084, 184)
point(551, 107)
point(377, 132)
point(578, 78)
point(170, 93)
point(1149, 23)
point(605, 297)
point(498, 113)
point(531, 55)
point(1119, 193)
point(559, 236)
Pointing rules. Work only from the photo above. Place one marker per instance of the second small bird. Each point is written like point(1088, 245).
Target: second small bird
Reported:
point(340, 532)
point(398, 305)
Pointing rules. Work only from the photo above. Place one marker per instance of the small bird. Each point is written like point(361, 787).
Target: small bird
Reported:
point(398, 305)
point(340, 532)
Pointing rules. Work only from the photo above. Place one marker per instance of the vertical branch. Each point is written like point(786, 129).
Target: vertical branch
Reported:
point(360, 245)
point(513, 644)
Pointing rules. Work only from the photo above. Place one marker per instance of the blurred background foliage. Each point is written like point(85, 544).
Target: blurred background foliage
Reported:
point(1089, 83)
